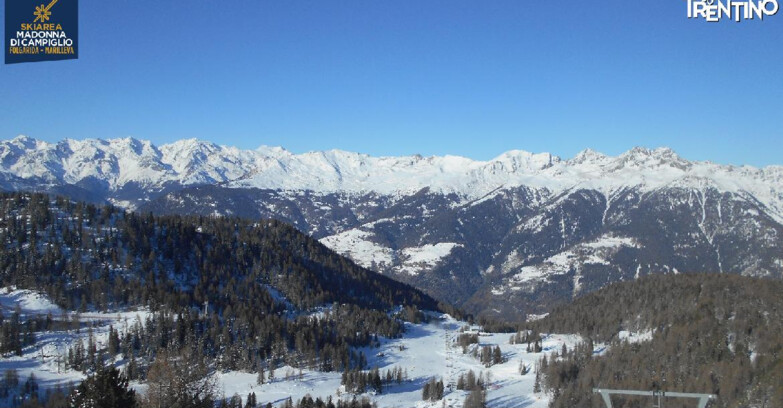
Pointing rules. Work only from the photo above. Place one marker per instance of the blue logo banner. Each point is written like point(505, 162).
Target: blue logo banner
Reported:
point(41, 30)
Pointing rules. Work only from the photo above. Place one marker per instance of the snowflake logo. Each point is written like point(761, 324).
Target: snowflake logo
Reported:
point(43, 13)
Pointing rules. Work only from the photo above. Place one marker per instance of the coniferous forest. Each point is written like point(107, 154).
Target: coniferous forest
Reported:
point(231, 294)
point(715, 334)
point(227, 293)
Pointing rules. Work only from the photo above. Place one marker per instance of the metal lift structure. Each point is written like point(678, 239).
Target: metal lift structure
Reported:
point(660, 395)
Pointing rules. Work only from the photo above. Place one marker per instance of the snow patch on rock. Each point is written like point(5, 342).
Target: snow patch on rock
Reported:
point(417, 259)
point(356, 244)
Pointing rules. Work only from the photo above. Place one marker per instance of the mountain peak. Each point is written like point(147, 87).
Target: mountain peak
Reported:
point(589, 156)
point(25, 141)
point(642, 157)
point(522, 160)
point(273, 151)
point(117, 162)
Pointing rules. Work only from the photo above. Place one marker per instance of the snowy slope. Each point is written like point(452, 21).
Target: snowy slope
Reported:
point(426, 350)
point(358, 245)
point(28, 302)
point(597, 252)
point(46, 358)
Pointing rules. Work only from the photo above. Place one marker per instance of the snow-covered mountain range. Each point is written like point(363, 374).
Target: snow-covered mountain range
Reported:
point(510, 235)
point(117, 163)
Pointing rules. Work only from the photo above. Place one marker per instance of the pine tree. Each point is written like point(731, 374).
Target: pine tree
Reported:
point(523, 368)
point(476, 399)
point(425, 391)
point(114, 342)
point(537, 384)
point(106, 389)
point(251, 400)
point(497, 356)
point(377, 384)
point(261, 377)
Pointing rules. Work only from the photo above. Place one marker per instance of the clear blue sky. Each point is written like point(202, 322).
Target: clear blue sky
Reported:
point(472, 78)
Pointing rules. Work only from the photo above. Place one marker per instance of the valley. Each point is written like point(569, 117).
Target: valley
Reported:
point(502, 238)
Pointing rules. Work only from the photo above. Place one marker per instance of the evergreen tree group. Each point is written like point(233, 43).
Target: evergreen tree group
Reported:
point(239, 294)
point(715, 334)
point(357, 381)
point(432, 390)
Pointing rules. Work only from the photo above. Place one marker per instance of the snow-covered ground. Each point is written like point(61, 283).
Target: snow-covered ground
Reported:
point(358, 245)
point(636, 337)
point(425, 257)
point(596, 252)
point(427, 350)
point(30, 303)
point(46, 358)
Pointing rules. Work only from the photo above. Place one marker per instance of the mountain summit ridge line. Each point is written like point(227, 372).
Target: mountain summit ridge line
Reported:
point(116, 162)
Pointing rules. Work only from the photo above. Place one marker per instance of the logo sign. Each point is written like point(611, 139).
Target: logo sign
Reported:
point(714, 11)
point(41, 30)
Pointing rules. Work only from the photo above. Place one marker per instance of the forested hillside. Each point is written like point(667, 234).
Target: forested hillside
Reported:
point(504, 238)
point(715, 334)
point(244, 295)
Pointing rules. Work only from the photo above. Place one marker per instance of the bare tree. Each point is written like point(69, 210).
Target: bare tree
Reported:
point(179, 380)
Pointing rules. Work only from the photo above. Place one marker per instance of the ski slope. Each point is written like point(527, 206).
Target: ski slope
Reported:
point(426, 350)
